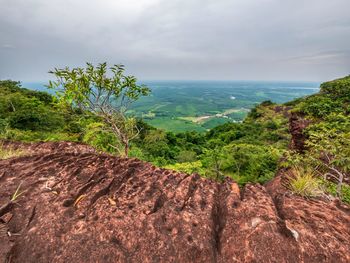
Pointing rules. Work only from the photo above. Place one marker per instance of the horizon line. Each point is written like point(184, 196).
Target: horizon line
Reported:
point(196, 80)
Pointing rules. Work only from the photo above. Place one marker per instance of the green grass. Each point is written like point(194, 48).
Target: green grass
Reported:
point(174, 124)
point(213, 122)
point(304, 183)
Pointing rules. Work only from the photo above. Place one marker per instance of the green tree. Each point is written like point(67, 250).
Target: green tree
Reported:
point(250, 163)
point(156, 144)
point(107, 97)
point(213, 160)
point(329, 146)
point(186, 156)
point(101, 139)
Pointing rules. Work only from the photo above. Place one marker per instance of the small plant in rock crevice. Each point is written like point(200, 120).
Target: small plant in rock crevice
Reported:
point(17, 193)
point(303, 182)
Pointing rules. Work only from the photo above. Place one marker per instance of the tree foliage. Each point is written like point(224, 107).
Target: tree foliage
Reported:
point(328, 135)
point(108, 97)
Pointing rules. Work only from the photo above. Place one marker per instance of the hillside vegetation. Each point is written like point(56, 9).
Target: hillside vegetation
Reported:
point(268, 139)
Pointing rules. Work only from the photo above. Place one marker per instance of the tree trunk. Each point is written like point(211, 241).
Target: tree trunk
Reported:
point(126, 149)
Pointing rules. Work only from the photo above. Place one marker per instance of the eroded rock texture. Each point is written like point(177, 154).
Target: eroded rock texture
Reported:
point(85, 207)
point(297, 124)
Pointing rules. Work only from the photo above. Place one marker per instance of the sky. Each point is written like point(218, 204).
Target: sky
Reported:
point(178, 39)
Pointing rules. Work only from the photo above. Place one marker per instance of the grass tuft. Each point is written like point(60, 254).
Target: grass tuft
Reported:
point(304, 183)
point(8, 152)
point(17, 194)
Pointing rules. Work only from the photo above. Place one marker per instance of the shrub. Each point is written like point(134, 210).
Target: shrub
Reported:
point(272, 125)
point(320, 106)
point(3, 126)
point(101, 138)
point(35, 119)
point(256, 163)
point(331, 188)
point(186, 156)
point(267, 103)
point(339, 88)
point(254, 113)
point(136, 152)
point(188, 167)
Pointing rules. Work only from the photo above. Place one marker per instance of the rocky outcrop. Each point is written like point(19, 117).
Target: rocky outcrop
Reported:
point(297, 124)
point(85, 207)
point(47, 147)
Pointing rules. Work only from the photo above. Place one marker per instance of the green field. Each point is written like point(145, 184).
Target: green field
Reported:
point(179, 106)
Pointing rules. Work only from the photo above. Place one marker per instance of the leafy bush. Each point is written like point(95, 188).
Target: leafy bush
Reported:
point(28, 115)
point(28, 110)
point(254, 113)
point(3, 126)
point(267, 103)
point(248, 162)
point(10, 87)
point(101, 139)
point(186, 156)
point(35, 136)
point(272, 125)
point(339, 88)
point(188, 167)
point(331, 188)
point(319, 106)
point(136, 152)
point(36, 118)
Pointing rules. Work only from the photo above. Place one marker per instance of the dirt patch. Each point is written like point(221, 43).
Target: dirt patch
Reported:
point(79, 206)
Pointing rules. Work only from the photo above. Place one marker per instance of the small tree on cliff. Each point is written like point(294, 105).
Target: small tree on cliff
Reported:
point(108, 97)
point(329, 144)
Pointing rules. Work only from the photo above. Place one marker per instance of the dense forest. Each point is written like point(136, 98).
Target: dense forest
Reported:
point(318, 157)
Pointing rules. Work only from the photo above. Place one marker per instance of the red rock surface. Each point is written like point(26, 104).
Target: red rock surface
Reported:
point(79, 206)
point(297, 124)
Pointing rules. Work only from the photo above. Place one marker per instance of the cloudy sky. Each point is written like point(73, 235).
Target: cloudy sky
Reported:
point(178, 39)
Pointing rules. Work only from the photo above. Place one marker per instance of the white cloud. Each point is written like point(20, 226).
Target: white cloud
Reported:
point(178, 39)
